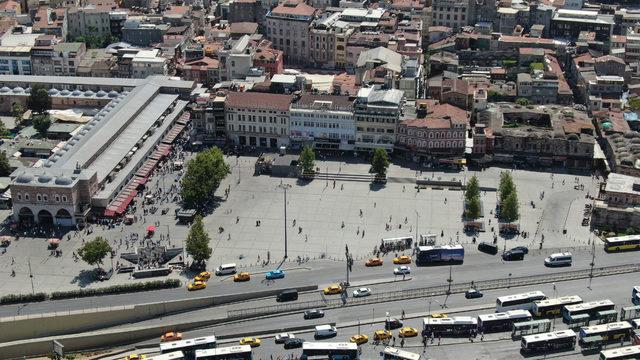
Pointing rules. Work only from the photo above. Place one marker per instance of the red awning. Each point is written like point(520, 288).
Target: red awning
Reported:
point(109, 213)
point(151, 228)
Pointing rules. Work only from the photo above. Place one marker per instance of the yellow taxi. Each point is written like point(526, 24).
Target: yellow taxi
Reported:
point(253, 342)
point(359, 339)
point(332, 289)
point(243, 276)
point(406, 332)
point(171, 336)
point(196, 285)
point(374, 262)
point(404, 259)
point(382, 335)
point(203, 276)
point(439, 315)
point(135, 357)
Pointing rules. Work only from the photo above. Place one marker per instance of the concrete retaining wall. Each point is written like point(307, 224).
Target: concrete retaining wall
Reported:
point(70, 322)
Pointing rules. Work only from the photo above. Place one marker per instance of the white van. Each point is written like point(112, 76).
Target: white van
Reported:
point(325, 331)
point(226, 269)
point(558, 259)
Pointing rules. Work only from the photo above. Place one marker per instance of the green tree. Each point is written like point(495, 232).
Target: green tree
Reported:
point(202, 177)
point(17, 111)
point(506, 186)
point(473, 208)
point(509, 211)
point(94, 251)
point(307, 159)
point(41, 123)
point(380, 162)
point(198, 242)
point(523, 101)
point(634, 103)
point(39, 100)
point(5, 168)
point(472, 189)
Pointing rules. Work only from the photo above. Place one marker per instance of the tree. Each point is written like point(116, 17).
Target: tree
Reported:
point(5, 168)
point(41, 123)
point(380, 162)
point(202, 177)
point(473, 208)
point(17, 111)
point(39, 100)
point(198, 242)
point(94, 251)
point(307, 159)
point(506, 186)
point(634, 103)
point(509, 210)
point(523, 101)
point(472, 189)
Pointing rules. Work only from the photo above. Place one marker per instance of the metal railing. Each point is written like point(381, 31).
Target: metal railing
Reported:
point(434, 291)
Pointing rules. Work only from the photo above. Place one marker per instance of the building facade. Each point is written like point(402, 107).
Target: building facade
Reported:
point(323, 121)
point(288, 30)
point(377, 113)
point(88, 21)
point(258, 119)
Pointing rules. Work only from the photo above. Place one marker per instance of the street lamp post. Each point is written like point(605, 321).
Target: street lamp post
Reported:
point(417, 233)
point(285, 187)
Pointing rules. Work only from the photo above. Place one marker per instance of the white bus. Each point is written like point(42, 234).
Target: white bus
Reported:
point(635, 295)
point(341, 350)
point(238, 352)
point(553, 307)
point(628, 352)
point(189, 346)
point(609, 332)
point(590, 308)
point(176, 355)
point(522, 301)
point(390, 353)
point(457, 325)
point(502, 321)
point(547, 342)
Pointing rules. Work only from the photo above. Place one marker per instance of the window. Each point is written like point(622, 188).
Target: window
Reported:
point(26, 197)
point(64, 198)
point(45, 197)
point(39, 197)
point(19, 196)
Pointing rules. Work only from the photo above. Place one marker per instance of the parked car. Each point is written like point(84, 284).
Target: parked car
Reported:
point(361, 292)
point(488, 248)
point(524, 249)
point(313, 314)
point(473, 294)
point(293, 343)
point(274, 274)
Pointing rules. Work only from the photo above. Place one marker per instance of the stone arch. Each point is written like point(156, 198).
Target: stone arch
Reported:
point(45, 217)
point(25, 215)
point(63, 214)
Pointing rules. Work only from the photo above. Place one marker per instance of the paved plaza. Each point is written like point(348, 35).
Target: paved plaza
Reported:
point(319, 209)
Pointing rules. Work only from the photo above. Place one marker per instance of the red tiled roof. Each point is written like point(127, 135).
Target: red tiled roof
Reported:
point(244, 28)
point(262, 101)
point(440, 116)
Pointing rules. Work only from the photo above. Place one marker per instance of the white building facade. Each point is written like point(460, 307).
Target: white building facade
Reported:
point(323, 121)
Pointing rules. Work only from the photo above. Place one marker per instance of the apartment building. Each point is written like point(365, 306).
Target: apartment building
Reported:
point(258, 119)
point(62, 60)
point(567, 24)
point(288, 30)
point(89, 20)
point(15, 60)
point(236, 58)
point(377, 113)
point(148, 62)
point(323, 121)
point(452, 13)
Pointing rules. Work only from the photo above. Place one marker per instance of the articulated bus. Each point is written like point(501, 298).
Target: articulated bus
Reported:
point(502, 321)
point(590, 308)
point(609, 332)
point(322, 350)
point(547, 342)
point(238, 352)
point(176, 355)
point(522, 301)
point(628, 352)
point(622, 243)
point(553, 307)
point(189, 346)
point(457, 325)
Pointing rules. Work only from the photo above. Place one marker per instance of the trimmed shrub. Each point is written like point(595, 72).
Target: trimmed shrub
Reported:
point(117, 289)
point(22, 298)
